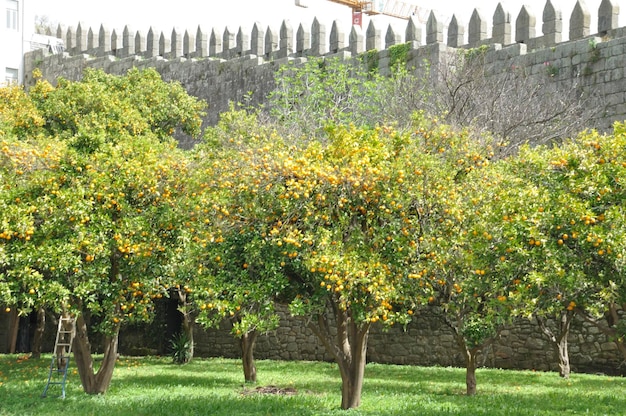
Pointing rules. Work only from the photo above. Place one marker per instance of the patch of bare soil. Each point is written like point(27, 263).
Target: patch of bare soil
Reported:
point(287, 391)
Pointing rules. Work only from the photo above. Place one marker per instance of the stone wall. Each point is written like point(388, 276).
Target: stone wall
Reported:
point(224, 65)
point(5, 325)
point(427, 341)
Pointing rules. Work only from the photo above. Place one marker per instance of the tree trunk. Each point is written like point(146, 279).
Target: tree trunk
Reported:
point(352, 375)
point(564, 367)
point(94, 382)
point(470, 371)
point(559, 340)
point(187, 320)
point(39, 331)
point(470, 354)
point(349, 349)
point(248, 341)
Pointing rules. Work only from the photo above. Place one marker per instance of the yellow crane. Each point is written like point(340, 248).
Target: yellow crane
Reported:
point(394, 8)
point(359, 6)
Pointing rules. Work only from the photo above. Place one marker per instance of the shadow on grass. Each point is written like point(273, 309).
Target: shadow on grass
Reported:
point(228, 374)
point(214, 387)
point(213, 405)
point(500, 392)
point(172, 381)
point(308, 404)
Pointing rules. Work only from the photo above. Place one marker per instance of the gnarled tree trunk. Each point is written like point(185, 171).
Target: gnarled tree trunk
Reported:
point(39, 331)
point(349, 349)
point(470, 372)
point(559, 340)
point(94, 382)
point(248, 341)
point(353, 372)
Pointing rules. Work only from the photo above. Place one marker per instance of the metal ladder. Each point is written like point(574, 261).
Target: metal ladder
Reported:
point(61, 355)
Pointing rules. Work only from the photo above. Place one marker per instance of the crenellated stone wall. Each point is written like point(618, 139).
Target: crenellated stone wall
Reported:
point(225, 65)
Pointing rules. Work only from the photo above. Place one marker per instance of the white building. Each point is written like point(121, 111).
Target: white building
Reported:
point(16, 30)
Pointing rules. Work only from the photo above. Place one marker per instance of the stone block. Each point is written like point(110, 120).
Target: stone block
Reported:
point(609, 346)
point(566, 49)
point(617, 74)
point(614, 62)
point(616, 50)
point(588, 348)
point(504, 352)
point(537, 69)
point(535, 344)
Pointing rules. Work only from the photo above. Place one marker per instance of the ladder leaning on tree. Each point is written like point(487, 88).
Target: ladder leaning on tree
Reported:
point(61, 354)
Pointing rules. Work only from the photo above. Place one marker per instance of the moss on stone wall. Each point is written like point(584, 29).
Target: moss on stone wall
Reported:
point(399, 55)
point(370, 59)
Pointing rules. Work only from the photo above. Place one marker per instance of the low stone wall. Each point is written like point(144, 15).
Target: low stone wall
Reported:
point(428, 341)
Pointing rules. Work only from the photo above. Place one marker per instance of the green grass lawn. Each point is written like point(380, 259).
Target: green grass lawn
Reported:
point(154, 386)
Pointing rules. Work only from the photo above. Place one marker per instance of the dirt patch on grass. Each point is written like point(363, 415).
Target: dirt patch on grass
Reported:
point(284, 391)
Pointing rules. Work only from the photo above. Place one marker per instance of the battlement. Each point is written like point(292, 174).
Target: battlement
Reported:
point(283, 42)
point(224, 65)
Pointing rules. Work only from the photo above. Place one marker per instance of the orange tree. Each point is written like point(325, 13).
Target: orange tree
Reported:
point(99, 221)
point(441, 255)
point(510, 244)
point(542, 242)
point(18, 119)
point(543, 236)
point(328, 228)
point(222, 264)
point(526, 235)
point(466, 261)
point(24, 168)
point(581, 268)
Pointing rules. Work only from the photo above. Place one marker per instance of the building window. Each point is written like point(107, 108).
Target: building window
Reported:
point(12, 15)
point(10, 75)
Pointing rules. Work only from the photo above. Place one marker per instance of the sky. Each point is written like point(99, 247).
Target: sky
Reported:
point(189, 14)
